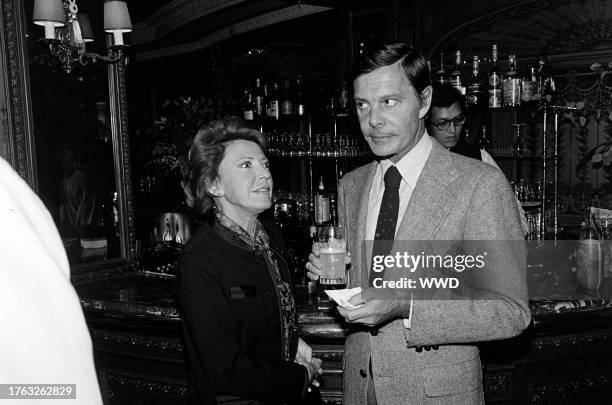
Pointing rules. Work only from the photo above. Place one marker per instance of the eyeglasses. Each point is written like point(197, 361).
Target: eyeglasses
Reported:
point(445, 124)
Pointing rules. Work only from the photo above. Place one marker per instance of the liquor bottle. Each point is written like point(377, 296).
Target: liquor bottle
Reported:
point(529, 86)
point(333, 210)
point(343, 100)
point(495, 83)
point(475, 87)
point(260, 103)
point(545, 82)
point(322, 215)
point(273, 103)
point(483, 141)
point(512, 84)
point(300, 107)
point(455, 78)
point(248, 108)
point(287, 101)
point(441, 73)
point(589, 255)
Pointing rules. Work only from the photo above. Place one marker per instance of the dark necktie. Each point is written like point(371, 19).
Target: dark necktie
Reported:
point(387, 218)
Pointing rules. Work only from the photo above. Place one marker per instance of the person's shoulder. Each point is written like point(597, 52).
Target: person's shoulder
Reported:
point(478, 173)
point(469, 167)
point(358, 174)
point(204, 237)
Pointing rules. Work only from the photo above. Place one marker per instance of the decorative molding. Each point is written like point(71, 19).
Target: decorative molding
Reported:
point(558, 342)
point(143, 385)
point(329, 356)
point(546, 392)
point(101, 271)
point(121, 152)
point(22, 155)
point(498, 385)
point(136, 340)
point(581, 37)
point(480, 27)
point(251, 24)
point(176, 14)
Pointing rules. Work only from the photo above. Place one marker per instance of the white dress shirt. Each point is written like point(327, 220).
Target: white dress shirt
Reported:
point(410, 168)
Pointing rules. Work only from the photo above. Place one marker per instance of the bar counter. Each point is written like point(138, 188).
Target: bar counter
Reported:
point(564, 356)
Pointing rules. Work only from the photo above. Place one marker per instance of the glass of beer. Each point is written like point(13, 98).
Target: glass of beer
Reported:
point(332, 245)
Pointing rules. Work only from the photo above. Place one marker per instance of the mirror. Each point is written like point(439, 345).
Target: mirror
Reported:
point(70, 142)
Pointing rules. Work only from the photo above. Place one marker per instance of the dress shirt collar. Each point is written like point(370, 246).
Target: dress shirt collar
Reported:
point(411, 165)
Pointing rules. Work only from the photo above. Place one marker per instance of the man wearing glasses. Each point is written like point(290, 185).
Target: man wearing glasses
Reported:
point(446, 120)
point(445, 123)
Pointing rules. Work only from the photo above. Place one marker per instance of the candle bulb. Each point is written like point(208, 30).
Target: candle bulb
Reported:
point(118, 38)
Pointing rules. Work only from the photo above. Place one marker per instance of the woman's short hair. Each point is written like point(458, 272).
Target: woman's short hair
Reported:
point(412, 62)
point(205, 155)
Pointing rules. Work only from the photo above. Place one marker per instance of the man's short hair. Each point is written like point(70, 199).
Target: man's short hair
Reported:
point(445, 95)
point(412, 62)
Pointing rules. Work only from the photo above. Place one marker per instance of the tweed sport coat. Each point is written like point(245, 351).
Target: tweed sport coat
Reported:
point(456, 199)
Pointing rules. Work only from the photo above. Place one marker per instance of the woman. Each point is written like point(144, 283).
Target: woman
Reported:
point(239, 317)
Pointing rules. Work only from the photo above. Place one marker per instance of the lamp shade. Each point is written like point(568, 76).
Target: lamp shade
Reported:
point(49, 11)
point(116, 16)
point(86, 31)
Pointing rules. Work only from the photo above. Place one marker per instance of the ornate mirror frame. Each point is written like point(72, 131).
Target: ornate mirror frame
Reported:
point(17, 144)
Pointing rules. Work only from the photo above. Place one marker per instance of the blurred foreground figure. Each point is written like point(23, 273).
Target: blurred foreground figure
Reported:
point(44, 337)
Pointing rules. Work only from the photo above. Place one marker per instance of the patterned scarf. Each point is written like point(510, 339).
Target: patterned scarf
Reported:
point(260, 242)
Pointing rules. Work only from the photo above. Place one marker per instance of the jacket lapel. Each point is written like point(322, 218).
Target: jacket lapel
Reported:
point(432, 198)
point(357, 199)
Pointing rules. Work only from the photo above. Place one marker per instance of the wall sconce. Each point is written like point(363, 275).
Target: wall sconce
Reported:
point(66, 31)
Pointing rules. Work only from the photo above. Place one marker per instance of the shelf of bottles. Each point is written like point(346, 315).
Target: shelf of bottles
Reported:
point(495, 98)
point(321, 141)
point(494, 89)
point(488, 87)
point(289, 144)
point(279, 111)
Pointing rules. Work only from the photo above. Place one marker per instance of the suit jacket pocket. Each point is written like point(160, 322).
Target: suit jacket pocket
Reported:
point(452, 379)
point(242, 291)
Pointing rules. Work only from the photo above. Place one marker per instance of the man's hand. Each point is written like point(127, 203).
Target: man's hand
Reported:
point(377, 306)
point(304, 351)
point(314, 263)
point(313, 367)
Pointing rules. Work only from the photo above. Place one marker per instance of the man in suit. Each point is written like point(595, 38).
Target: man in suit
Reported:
point(419, 350)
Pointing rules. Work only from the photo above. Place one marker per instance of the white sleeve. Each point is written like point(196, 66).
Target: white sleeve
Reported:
point(488, 159)
point(48, 341)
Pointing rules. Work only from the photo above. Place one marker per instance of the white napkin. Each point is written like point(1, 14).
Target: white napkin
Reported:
point(342, 296)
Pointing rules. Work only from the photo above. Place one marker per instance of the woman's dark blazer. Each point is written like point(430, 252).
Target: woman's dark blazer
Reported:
point(231, 318)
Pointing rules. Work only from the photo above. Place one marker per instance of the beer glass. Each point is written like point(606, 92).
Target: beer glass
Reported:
point(332, 252)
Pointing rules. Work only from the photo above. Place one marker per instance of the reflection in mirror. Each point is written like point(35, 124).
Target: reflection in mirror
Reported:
point(75, 159)
point(74, 152)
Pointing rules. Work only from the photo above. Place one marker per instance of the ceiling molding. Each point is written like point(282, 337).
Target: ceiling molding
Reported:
point(174, 15)
point(597, 35)
point(251, 24)
point(485, 21)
